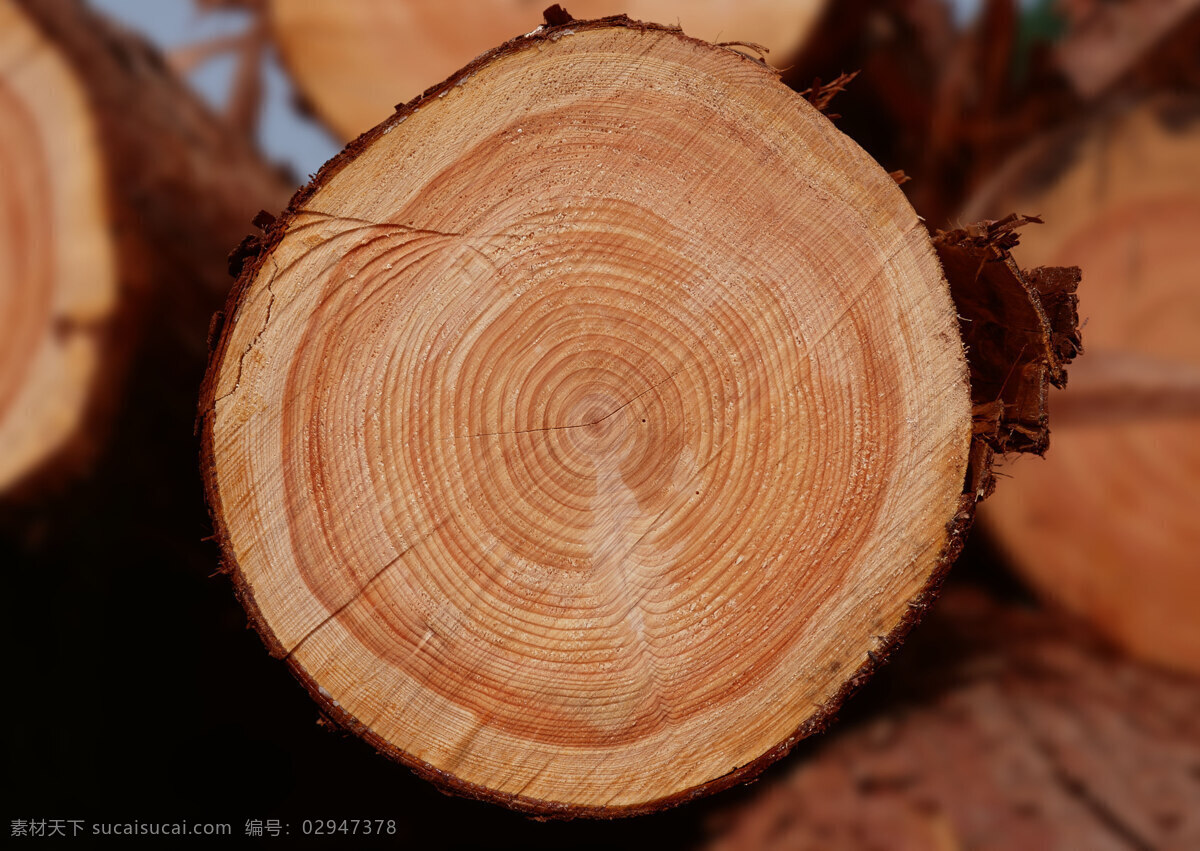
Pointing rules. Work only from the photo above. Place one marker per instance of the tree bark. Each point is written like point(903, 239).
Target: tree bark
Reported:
point(353, 60)
point(121, 198)
point(585, 432)
point(1106, 524)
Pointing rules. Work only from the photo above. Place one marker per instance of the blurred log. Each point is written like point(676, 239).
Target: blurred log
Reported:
point(898, 48)
point(1007, 730)
point(945, 105)
point(586, 431)
point(54, 290)
point(1107, 525)
point(121, 198)
point(1111, 41)
point(354, 59)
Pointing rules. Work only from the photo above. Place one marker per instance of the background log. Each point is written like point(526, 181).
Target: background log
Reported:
point(116, 628)
point(126, 197)
point(1106, 525)
point(1007, 729)
point(354, 60)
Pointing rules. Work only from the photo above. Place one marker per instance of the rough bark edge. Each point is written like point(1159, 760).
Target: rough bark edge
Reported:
point(160, 267)
point(1021, 331)
point(245, 262)
point(821, 95)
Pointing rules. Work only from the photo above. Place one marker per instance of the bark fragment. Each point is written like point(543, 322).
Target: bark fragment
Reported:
point(1020, 329)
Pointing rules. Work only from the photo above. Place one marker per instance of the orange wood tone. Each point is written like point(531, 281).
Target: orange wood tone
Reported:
point(582, 431)
point(58, 273)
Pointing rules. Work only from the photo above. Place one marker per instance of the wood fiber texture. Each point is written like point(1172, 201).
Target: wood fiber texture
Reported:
point(586, 431)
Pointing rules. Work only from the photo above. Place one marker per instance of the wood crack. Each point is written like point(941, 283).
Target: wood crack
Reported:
point(237, 381)
point(366, 585)
point(398, 226)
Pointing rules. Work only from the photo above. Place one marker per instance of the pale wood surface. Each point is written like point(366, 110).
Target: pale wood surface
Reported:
point(580, 436)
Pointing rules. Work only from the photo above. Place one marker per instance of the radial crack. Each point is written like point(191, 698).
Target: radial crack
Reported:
point(237, 381)
point(401, 227)
point(365, 586)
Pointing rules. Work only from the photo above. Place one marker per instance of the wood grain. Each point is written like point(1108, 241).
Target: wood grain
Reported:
point(583, 430)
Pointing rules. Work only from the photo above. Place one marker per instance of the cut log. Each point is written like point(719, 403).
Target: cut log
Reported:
point(119, 200)
point(585, 432)
point(1009, 729)
point(1106, 524)
point(353, 60)
point(53, 291)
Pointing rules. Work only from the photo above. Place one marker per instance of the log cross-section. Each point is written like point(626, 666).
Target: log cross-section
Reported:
point(58, 272)
point(581, 434)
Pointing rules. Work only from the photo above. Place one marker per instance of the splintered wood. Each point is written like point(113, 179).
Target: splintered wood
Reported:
point(588, 429)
